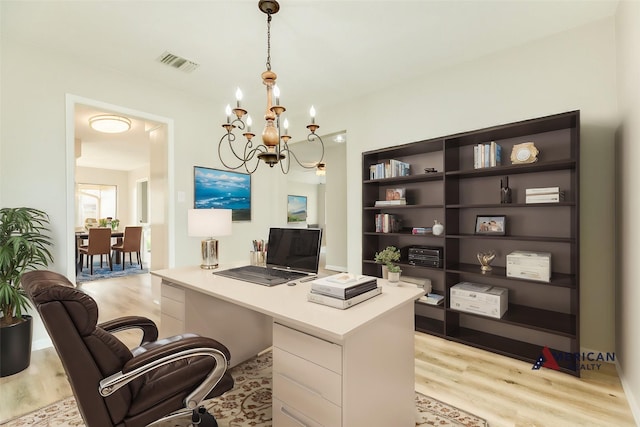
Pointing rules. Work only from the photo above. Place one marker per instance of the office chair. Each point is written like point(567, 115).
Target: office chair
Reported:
point(114, 386)
point(99, 244)
point(130, 243)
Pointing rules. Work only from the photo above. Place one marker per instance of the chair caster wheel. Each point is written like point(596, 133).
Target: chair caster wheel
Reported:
point(202, 418)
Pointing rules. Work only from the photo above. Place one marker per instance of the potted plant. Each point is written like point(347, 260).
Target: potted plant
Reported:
point(387, 256)
point(24, 246)
point(393, 272)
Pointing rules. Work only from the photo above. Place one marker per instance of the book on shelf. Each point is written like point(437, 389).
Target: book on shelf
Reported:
point(343, 285)
point(391, 202)
point(433, 299)
point(544, 195)
point(387, 223)
point(487, 155)
point(340, 303)
point(422, 230)
point(389, 169)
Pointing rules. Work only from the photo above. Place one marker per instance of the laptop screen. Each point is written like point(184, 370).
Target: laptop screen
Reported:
point(294, 249)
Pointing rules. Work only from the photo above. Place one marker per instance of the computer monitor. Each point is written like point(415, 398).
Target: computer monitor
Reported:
point(294, 249)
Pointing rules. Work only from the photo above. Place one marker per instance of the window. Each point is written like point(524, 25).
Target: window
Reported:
point(95, 201)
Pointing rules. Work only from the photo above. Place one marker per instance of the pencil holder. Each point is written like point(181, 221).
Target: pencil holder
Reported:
point(258, 258)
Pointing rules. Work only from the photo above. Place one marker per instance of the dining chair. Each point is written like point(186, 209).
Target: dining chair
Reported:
point(99, 244)
point(131, 242)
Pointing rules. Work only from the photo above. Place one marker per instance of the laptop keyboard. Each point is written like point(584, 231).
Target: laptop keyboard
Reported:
point(271, 272)
point(260, 275)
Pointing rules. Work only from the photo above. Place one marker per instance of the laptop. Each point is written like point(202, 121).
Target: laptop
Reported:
point(292, 254)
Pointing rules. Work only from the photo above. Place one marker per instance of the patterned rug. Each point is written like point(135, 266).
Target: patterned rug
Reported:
point(105, 273)
point(249, 404)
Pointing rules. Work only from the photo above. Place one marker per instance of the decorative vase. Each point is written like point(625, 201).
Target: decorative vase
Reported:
point(394, 277)
point(15, 346)
point(385, 272)
point(438, 228)
point(505, 191)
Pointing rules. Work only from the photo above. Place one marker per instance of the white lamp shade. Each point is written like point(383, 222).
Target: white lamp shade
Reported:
point(209, 222)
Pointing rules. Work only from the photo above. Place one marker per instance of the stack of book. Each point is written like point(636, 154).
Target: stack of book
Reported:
point(544, 195)
point(487, 155)
point(393, 197)
point(343, 290)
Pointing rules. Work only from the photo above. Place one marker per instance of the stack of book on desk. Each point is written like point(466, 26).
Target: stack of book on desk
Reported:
point(343, 290)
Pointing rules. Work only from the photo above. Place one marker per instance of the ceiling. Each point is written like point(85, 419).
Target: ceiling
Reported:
point(324, 52)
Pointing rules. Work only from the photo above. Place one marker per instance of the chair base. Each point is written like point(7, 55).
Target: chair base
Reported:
point(198, 417)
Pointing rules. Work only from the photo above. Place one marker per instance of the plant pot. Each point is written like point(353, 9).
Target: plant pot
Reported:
point(394, 277)
point(15, 347)
point(385, 272)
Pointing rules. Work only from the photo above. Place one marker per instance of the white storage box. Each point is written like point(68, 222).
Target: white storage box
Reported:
point(529, 265)
point(479, 299)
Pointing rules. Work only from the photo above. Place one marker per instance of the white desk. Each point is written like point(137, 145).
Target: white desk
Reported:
point(351, 368)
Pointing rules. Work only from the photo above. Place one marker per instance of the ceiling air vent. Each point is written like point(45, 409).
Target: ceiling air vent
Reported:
point(177, 62)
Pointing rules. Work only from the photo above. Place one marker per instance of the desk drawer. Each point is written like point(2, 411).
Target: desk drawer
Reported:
point(315, 378)
point(285, 416)
point(305, 402)
point(171, 292)
point(316, 350)
point(172, 308)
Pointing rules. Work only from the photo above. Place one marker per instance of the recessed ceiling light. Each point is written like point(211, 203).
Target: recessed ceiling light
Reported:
point(109, 123)
point(339, 139)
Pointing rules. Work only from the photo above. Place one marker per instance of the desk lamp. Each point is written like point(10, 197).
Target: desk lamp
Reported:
point(209, 223)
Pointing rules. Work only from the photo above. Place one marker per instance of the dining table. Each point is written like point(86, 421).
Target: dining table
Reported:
point(84, 235)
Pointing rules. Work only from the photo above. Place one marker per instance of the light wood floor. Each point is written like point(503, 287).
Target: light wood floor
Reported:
point(504, 391)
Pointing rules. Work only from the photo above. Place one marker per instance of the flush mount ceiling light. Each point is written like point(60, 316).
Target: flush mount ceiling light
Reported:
point(321, 169)
point(274, 148)
point(109, 123)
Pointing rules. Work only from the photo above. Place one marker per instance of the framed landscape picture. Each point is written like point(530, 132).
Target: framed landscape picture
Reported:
point(221, 189)
point(296, 208)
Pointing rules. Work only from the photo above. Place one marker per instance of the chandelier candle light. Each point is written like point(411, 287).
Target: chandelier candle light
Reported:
point(274, 148)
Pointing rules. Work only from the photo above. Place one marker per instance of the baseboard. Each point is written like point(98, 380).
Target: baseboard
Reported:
point(631, 398)
point(40, 344)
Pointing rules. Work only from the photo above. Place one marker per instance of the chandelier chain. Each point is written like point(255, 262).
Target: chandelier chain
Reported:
point(269, 42)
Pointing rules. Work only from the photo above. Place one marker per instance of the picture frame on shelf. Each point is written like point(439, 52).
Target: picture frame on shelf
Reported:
point(222, 189)
point(491, 225)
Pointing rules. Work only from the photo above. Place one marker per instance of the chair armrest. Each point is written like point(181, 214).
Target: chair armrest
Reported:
point(172, 352)
point(148, 327)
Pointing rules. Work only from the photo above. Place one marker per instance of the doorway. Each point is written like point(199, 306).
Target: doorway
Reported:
point(136, 182)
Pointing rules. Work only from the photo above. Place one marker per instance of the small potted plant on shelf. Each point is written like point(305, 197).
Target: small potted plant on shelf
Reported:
point(394, 273)
point(387, 256)
point(24, 246)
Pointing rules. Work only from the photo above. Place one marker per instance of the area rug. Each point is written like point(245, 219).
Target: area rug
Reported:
point(249, 404)
point(105, 273)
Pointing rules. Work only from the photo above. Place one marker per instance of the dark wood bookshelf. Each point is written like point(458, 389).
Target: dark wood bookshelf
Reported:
point(454, 195)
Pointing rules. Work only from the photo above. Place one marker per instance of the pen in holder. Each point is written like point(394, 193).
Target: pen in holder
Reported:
point(258, 256)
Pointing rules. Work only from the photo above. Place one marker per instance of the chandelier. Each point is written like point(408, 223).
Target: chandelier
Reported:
point(275, 139)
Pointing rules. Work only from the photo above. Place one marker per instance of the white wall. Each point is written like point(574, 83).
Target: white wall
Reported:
point(628, 202)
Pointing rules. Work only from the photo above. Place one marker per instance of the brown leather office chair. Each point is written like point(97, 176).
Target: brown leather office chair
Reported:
point(130, 243)
point(99, 244)
point(115, 386)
